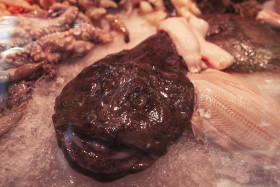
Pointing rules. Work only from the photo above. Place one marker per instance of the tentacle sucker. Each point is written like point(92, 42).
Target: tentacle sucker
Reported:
point(235, 115)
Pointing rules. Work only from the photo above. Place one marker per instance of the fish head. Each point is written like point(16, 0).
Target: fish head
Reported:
point(121, 114)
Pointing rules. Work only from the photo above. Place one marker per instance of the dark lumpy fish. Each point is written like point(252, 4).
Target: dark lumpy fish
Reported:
point(245, 8)
point(255, 46)
point(121, 113)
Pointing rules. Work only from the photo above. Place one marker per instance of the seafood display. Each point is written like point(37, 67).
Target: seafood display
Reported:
point(95, 9)
point(100, 12)
point(121, 114)
point(117, 116)
point(33, 45)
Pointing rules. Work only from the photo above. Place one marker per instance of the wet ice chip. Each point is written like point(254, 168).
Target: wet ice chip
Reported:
point(270, 167)
point(164, 94)
point(264, 124)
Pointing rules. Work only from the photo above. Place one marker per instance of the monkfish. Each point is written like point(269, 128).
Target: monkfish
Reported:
point(121, 113)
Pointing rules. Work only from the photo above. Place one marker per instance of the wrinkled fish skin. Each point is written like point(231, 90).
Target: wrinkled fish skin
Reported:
point(121, 113)
point(255, 46)
point(245, 8)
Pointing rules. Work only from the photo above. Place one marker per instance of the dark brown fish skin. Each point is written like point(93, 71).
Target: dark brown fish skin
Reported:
point(135, 102)
point(255, 46)
point(170, 9)
point(244, 8)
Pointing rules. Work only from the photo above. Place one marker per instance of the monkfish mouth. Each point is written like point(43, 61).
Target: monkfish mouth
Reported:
point(105, 159)
point(106, 149)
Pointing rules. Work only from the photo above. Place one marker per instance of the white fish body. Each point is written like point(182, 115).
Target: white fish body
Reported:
point(235, 115)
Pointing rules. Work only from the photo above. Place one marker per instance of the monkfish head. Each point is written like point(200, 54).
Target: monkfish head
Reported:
point(121, 113)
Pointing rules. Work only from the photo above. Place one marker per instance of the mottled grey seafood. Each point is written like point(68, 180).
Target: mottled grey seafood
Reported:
point(121, 113)
point(59, 18)
point(23, 29)
point(9, 120)
point(33, 45)
point(255, 46)
point(14, 99)
point(96, 11)
point(48, 42)
point(244, 8)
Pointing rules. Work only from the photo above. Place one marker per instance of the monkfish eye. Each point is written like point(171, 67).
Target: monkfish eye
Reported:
point(140, 100)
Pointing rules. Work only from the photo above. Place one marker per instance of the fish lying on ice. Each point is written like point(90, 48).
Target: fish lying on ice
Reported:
point(121, 113)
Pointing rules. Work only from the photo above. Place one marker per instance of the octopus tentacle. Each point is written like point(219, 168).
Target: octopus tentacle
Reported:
point(24, 71)
point(235, 115)
point(15, 57)
point(16, 42)
point(22, 29)
point(82, 19)
point(16, 74)
point(53, 47)
point(60, 18)
point(20, 63)
point(118, 25)
point(75, 42)
point(13, 107)
point(91, 33)
point(10, 120)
